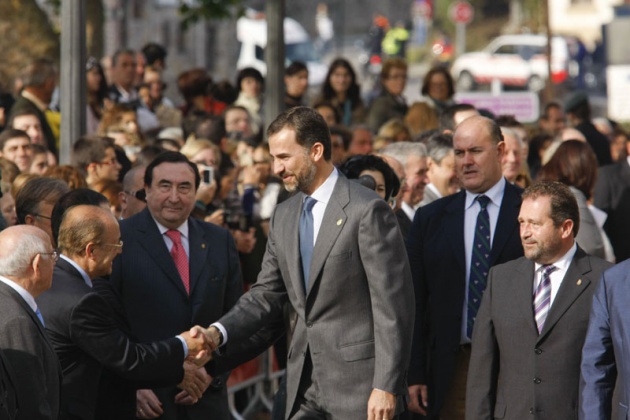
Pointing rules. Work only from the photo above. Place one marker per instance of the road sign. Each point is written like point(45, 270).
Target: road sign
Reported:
point(461, 12)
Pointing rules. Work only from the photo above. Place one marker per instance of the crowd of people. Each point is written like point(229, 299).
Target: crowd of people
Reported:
point(202, 213)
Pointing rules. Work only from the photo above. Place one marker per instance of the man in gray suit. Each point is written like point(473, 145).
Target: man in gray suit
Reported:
point(530, 328)
point(26, 268)
point(354, 300)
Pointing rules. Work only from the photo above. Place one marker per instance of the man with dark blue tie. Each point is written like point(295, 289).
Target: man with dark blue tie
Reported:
point(452, 244)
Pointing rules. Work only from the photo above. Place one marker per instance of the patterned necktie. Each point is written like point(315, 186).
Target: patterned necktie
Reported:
point(179, 257)
point(542, 296)
point(40, 317)
point(479, 263)
point(306, 237)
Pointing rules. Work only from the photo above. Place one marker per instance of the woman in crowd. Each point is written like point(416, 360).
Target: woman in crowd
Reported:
point(342, 91)
point(574, 163)
point(296, 83)
point(390, 103)
point(438, 88)
point(383, 179)
point(251, 84)
point(98, 101)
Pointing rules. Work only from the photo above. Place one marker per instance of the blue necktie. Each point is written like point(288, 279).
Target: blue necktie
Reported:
point(41, 318)
point(306, 238)
point(479, 263)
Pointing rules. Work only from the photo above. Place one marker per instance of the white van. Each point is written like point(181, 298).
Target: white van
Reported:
point(251, 32)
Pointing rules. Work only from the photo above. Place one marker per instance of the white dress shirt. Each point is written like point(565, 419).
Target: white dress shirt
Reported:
point(81, 271)
point(471, 211)
point(562, 265)
point(322, 195)
point(183, 230)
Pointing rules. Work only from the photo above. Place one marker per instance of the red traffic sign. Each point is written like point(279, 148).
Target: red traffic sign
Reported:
point(461, 12)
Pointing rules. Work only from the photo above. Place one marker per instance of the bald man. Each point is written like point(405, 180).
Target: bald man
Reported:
point(27, 260)
point(88, 334)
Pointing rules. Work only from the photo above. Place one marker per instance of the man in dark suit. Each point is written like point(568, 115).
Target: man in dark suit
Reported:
point(612, 194)
point(528, 336)
point(40, 80)
point(175, 272)
point(26, 267)
point(83, 329)
point(8, 397)
point(448, 277)
point(578, 110)
point(334, 254)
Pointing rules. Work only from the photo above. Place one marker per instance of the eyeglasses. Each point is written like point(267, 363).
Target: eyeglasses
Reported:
point(55, 255)
point(42, 216)
point(110, 162)
point(140, 194)
point(119, 245)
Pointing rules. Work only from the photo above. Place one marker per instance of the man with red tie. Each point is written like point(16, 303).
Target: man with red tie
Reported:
point(175, 272)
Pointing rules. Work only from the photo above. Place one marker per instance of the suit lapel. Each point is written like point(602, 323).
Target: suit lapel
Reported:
point(573, 285)
point(507, 221)
point(524, 292)
point(290, 243)
point(329, 229)
point(153, 243)
point(200, 252)
point(453, 222)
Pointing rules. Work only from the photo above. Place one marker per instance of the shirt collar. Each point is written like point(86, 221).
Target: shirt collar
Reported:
point(80, 269)
point(38, 102)
point(495, 194)
point(30, 300)
point(183, 228)
point(563, 262)
point(323, 193)
point(434, 189)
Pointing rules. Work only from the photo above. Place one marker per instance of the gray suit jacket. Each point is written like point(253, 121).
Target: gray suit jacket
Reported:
point(514, 372)
point(32, 358)
point(356, 317)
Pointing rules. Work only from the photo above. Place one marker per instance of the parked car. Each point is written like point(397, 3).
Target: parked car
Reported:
point(514, 60)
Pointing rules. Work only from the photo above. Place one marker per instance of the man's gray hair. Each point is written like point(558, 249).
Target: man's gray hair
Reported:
point(507, 131)
point(439, 146)
point(402, 150)
point(17, 258)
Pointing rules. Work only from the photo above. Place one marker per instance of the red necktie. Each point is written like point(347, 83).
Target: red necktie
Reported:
point(179, 257)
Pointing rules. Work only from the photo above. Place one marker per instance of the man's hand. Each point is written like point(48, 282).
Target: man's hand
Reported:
point(148, 406)
point(196, 381)
point(216, 217)
point(381, 405)
point(199, 352)
point(211, 336)
point(418, 399)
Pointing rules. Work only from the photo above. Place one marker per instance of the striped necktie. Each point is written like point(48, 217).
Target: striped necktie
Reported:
point(542, 296)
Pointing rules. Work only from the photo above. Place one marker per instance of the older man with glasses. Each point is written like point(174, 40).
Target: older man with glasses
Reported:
point(88, 334)
point(27, 260)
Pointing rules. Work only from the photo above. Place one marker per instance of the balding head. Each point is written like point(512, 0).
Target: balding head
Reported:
point(26, 258)
point(90, 236)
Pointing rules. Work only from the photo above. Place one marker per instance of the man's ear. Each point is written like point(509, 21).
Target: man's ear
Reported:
point(29, 219)
point(317, 151)
point(35, 264)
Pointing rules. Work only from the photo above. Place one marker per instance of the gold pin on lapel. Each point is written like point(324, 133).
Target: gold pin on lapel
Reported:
point(579, 282)
point(203, 246)
point(339, 222)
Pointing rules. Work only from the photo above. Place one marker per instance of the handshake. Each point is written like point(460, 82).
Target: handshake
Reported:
point(202, 342)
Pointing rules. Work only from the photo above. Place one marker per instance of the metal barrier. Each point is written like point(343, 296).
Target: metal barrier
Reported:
point(259, 377)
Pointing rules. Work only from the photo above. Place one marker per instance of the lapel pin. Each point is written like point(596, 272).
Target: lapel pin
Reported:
point(579, 282)
point(339, 222)
point(203, 246)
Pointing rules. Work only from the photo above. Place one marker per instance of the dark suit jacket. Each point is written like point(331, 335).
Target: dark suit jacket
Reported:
point(612, 194)
point(354, 320)
point(384, 108)
point(31, 356)
point(157, 304)
point(8, 396)
point(515, 372)
point(404, 223)
point(86, 336)
point(599, 143)
point(606, 355)
point(438, 264)
point(23, 104)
